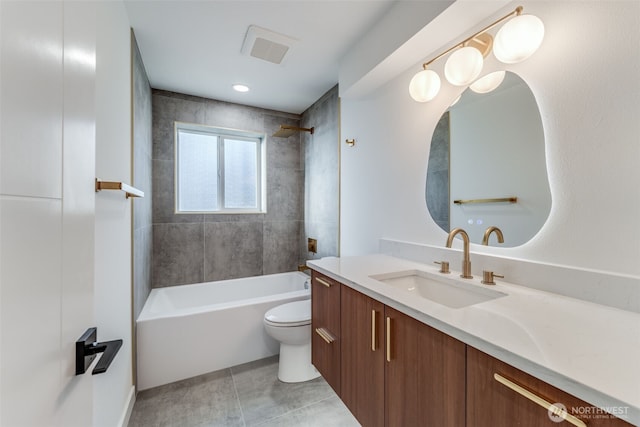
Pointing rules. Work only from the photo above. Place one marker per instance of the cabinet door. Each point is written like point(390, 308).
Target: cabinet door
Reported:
point(325, 328)
point(362, 362)
point(491, 403)
point(425, 374)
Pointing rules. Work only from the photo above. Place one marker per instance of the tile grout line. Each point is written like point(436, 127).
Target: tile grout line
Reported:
point(235, 389)
point(294, 410)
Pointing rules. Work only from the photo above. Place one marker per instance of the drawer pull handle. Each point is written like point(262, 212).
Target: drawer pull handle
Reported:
point(323, 282)
point(325, 335)
point(388, 339)
point(540, 401)
point(374, 344)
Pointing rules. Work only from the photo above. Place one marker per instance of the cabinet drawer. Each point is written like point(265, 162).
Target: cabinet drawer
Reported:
point(325, 303)
point(325, 328)
point(501, 395)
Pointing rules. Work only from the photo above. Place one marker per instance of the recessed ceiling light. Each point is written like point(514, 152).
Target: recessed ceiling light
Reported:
point(240, 88)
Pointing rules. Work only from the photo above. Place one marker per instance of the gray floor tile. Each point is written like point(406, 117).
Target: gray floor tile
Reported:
point(263, 397)
point(328, 412)
point(245, 395)
point(206, 400)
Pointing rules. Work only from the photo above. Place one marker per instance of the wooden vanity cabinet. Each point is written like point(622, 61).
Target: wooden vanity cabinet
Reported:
point(397, 371)
point(394, 371)
point(425, 374)
point(325, 328)
point(491, 403)
point(362, 359)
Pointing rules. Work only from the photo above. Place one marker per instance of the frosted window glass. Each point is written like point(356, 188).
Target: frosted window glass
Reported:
point(240, 174)
point(197, 171)
point(218, 170)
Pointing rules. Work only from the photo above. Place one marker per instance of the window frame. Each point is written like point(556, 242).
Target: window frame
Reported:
point(223, 134)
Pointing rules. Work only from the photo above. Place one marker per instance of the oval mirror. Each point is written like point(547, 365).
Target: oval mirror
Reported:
point(487, 165)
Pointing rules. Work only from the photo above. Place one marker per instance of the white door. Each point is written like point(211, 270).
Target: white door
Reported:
point(47, 210)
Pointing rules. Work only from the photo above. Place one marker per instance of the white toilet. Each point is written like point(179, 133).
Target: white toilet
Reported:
point(291, 325)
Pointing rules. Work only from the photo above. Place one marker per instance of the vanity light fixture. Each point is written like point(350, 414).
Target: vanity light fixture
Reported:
point(463, 66)
point(488, 83)
point(518, 39)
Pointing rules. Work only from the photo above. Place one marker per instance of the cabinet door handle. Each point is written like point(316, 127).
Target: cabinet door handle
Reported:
point(374, 335)
point(388, 339)
point(559, 412)
point(325, 335)
point(323, 282)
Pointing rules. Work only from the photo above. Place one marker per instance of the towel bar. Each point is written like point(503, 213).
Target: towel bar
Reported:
point(114, 185)
point(498, 200)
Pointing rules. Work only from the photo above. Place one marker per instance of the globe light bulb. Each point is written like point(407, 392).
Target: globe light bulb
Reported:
point(463, 66)
point(518, 39)
point(488, 83)
point(424, 86)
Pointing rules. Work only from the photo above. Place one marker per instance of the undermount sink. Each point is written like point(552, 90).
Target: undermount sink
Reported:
point(449, 291)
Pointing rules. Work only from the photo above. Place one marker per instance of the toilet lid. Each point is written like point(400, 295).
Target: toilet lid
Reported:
point(291, 314)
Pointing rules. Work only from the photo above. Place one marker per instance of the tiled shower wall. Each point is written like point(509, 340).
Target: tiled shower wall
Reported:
point(142, 219)
point(194, 248)
point(322, 176)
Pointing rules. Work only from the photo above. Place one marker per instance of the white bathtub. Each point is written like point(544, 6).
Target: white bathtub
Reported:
point(189, 330)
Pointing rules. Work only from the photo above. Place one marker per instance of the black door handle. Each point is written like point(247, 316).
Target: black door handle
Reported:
point(87, 348)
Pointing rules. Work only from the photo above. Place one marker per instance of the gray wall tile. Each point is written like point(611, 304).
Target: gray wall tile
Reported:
point(285, 194)
point(232, 250)
point(178, 254)
point(233, 116)
point(327, 235)
point(142, 259)
point(164, 195)
point(142, 179)
point(281, 245)
point(169, 108)
point(283, 152)
point(321, 175)
point(163, 137)
point(235, 245)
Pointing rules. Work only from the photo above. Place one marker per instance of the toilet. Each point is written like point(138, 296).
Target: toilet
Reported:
point(290, 324)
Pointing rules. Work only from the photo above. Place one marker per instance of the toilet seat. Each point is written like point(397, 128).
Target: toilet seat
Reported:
point(297, 313)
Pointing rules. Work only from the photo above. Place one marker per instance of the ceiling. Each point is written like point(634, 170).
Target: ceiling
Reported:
point(194, 47)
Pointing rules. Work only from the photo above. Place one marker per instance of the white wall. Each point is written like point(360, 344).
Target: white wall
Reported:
point(585, 80)
point(113, 391)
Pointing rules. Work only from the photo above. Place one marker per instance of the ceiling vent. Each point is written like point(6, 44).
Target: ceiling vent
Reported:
point(266, 45)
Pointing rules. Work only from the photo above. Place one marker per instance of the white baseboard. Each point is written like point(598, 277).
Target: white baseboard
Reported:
point(128, 409)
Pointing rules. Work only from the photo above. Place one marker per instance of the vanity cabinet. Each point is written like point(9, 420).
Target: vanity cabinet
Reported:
point(425, 374)
point(492, 403)
point(362, 359)
point(392, 370)
point(397, 371)
point(325, 328)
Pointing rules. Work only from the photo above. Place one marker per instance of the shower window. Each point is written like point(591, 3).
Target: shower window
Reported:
point(218, 170)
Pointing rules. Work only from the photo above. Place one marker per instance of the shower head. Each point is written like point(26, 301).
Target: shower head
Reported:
point(286, 131)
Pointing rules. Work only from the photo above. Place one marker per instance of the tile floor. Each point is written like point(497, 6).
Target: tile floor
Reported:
point(244, 395)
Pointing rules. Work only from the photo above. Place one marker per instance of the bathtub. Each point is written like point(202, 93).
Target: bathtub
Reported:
point(189, 330)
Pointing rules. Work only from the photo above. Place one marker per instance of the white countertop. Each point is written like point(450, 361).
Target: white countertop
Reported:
point(588, 350)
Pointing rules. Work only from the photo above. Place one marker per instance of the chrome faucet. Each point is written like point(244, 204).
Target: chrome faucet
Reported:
point(487, 233)
point(466, 263)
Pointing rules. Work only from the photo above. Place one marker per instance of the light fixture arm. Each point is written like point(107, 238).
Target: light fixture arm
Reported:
point(516, 12)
